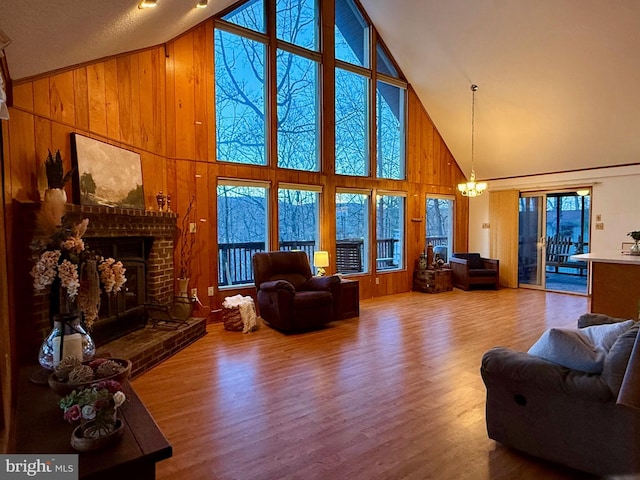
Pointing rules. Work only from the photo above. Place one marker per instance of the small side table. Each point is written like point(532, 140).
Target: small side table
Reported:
point(350, 299)
point(432, 281)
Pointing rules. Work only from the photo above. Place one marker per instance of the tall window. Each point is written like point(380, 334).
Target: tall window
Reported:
point(352, 118)
point(440, 226)
point(297, 22)
point(242, 229)
point(351, 34)
point(352, 76)
point(298, 112)
point(390, 231)
point(352, 231)
point(390, 130)
point(240, 99)
point(249, 15)
point(298, 216)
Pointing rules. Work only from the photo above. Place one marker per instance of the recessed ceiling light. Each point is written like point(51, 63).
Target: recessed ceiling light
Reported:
point(147, 4)
point(202, 3)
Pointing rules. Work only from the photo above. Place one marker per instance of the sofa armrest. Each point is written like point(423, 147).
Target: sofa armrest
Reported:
point(504, 366)
point(276, 285)
point(490, 263)
point(459, 266)
point(589, 319)
point(322, 283)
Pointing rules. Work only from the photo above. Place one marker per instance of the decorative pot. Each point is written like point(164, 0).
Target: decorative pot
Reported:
point(87, 437)
point(635, 248)
point(68, 338)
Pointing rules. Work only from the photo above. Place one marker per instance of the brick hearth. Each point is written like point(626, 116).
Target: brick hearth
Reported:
point(149, 346)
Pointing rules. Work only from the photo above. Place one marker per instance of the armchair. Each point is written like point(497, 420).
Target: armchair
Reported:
point(470, 269)
point(289, 297)
point(586, 421)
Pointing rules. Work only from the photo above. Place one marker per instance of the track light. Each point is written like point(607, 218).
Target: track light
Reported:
point(147, 4)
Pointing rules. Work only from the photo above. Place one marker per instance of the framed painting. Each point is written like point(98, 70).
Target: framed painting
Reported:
point(105, 174)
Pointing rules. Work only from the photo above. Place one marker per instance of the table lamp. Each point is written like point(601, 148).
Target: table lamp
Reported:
point(320, 260)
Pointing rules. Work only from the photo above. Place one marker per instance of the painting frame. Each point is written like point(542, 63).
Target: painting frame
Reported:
point(105, 175)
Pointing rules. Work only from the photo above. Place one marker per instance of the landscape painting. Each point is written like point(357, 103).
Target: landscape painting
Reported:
point(105, 174)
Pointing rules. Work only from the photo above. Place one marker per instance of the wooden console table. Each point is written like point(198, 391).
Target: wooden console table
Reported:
point(40, 428)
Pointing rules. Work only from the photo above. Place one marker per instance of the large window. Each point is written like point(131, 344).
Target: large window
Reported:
point(249, 15)
point(390, 231)
point(390, 130)
point(298, 112)
point(352, 231)
point(351, 34)
point(440, 226)
point(298, 218)
point(242, 229)
point(297, 22)
point(352, 119)
point(240, 99)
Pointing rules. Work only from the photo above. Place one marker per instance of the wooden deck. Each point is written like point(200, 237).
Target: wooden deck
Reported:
point(395, 393)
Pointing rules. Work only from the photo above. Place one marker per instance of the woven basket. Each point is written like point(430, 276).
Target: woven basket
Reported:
point(232, 319)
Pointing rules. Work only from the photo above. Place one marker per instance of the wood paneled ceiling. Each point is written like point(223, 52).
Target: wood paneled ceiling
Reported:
point(558, 79)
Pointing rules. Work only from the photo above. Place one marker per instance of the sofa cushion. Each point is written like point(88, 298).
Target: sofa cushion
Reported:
point(605, 335)
point(312, 300)
point(615, 364)
point(569, 348)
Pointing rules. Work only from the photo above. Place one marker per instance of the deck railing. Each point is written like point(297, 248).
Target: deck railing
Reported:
point(235, 267)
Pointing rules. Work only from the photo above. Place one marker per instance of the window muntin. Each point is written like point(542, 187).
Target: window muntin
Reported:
point(242, 230)
point(439, 226)
point(352, 120)
point(249, 15)
point(298, 112)
point(297, 22)
point(298, 220)
point(240, 99)
point(352, 232)
point(389, 232)
point(351, 34)
point(390, 125)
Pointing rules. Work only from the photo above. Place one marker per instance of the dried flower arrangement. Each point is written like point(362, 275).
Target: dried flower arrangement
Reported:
point(63, 261)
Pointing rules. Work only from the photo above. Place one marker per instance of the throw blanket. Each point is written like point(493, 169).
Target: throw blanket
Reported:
point(247, 310)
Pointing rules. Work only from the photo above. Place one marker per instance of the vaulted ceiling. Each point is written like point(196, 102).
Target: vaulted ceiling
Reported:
point(558, 79)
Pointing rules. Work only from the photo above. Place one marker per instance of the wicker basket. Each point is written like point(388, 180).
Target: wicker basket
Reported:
point(232, 319)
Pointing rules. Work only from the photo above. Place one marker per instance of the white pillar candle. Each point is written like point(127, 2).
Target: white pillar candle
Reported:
point(72, 347)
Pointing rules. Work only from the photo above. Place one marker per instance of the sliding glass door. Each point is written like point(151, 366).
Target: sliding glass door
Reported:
point(553, 226)
point(531, 241)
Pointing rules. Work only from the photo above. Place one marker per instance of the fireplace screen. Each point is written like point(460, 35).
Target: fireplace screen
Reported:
point(123, 312)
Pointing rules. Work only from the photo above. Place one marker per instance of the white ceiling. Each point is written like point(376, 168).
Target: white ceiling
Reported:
point(558, 79)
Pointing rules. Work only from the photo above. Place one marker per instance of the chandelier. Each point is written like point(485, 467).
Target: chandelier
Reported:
point(471, 188)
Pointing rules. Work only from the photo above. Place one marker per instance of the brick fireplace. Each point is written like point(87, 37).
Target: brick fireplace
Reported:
point(152, 259)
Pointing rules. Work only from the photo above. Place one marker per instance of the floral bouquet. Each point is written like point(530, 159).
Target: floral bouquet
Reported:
point(635, 235)
point(95, 406)
point(76, 274)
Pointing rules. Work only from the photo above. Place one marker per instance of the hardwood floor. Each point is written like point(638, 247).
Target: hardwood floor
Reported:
point(395, 393)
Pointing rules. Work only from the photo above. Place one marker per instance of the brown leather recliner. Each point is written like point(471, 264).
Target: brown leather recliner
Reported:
point(470, 269)
point(289, 297)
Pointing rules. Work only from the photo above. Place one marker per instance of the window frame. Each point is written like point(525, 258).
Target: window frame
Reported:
point(402, 264)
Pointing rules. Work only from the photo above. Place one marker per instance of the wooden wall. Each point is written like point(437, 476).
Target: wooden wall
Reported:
point(159, 103)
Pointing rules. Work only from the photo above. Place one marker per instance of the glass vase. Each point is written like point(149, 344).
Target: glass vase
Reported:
point(635, 248)
point(68, 338)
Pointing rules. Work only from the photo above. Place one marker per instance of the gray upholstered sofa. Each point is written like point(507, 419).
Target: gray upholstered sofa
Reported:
point(578, 419)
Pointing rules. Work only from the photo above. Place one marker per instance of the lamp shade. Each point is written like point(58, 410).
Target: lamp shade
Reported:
point(320, 259)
